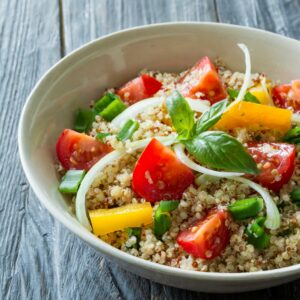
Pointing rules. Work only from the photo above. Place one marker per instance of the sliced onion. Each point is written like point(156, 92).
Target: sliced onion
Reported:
point(141, 106)
point(265, 89)
point(273, 216)
point(247, 78)
point(108, 159)
point(179, 150)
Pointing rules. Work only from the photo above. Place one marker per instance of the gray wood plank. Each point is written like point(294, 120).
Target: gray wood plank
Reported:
point(30, 44)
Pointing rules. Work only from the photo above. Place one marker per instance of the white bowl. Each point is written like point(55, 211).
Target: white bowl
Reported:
point(112, 60)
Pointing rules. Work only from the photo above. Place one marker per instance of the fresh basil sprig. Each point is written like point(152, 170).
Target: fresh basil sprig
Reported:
point(214, 149)
point(292, 136)
point(248, 96)
point(210, 117)
point(181, 115)
point(162, 218)
point(219, 150)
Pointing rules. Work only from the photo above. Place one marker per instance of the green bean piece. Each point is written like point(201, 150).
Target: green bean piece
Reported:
point(246, 208)
point(128, 130)
point(71, 181)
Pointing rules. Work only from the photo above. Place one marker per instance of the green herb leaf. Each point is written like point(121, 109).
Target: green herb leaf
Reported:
point(256, 234)
point(219, 150)
point(293, 136)
point(128, 130)
point(210, 117)
point(246, 208)
point(162, 218)
point(102, 135)
point(248, 96)
point(84, 120)
point(181, 115)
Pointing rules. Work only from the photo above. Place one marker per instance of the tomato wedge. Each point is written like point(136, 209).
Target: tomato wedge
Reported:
point(159, 175)
point(208, 237)
point(287, 95)
point(203, 78)
point(142, 87)
point(276, 162)
point(79, 151)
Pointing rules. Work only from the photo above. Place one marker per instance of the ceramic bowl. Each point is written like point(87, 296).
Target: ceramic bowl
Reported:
point(109, 62)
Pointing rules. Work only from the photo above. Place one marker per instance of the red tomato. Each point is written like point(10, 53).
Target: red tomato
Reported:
point(208, 237)
point(159, 174)
point(79, 151)
point(276, 162)
point(139, 88)
point(203, 78)
point(287, 95)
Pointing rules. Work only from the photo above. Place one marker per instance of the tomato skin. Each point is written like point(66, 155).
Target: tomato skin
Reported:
point(208, 237)
point(142, 87)
point(273, 156)
point(159, 174)
point(203, 77)
point(79, 151)
point(287, 95)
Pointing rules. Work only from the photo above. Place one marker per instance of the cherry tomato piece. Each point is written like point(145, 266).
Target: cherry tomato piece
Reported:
point(142, 87)
point(79, 151)
point(203, 78)
point(276, 162)
point(208, 237)
point(159, 174)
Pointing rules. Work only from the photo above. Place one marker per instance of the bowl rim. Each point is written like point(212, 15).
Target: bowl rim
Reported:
point(94, 241)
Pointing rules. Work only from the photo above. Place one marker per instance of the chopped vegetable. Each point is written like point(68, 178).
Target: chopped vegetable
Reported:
point(162, 218)
point(142, 87)
point(276, 162)
point(202, 79)
point(246, 208)
point(255, 117)
point(79, 151)
point(295, 196)
point(159, 174)
point(112, 110)
point(256, 234)
point(292, 136)
point(71, 181)
point(262, 93)
point(84, 120)
point(102, 135)
point(248, 96)
point(131, 215)
point(208, 237)
point(128, 130)
point(104, 102)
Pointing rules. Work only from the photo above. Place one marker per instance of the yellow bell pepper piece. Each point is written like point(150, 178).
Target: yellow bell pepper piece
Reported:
point(131, 215)
point(259, 92)
point(256, 117)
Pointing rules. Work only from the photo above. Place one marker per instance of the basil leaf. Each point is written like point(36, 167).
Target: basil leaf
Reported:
point(210, 117)
point(248, 96)
point(292, 136)
point(181, 115)
point(219, 150)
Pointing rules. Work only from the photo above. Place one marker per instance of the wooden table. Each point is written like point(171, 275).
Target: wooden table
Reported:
point(39, 258)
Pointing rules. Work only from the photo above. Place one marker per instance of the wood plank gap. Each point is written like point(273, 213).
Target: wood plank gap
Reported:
point(61, 29)
point(216, 11)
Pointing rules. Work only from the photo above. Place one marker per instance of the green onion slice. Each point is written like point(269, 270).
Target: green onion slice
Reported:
point(134, 231)
point(162, 218)
point(295, 196)
point(102, 135)
point(256, 234)
point(112, 110)
point(84, 120)
point(71, 181)
point(128, 130)
point(246, 208)
point(104, 102)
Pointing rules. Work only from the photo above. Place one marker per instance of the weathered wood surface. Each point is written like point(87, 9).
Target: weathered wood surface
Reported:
point(39, 258)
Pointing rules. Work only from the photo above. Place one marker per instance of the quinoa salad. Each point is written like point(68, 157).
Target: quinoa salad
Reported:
point(197, 170)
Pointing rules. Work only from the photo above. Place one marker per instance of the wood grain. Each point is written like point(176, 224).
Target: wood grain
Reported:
point(39, 258)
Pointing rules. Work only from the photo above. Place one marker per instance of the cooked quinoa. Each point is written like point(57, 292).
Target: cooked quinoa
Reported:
point(112, 188)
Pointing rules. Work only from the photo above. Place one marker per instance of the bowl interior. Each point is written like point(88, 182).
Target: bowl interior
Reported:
point(111, 61)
